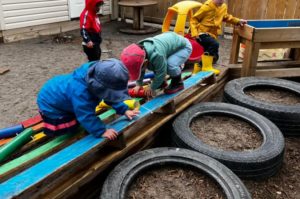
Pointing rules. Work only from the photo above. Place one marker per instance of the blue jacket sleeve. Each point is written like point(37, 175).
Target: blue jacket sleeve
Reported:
point(85, 35)
point(120, 107)
point(84, 108)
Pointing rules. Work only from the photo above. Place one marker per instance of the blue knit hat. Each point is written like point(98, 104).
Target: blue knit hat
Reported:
point(108, 79)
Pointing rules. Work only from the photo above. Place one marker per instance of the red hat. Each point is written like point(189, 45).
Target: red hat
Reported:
point(133, 58)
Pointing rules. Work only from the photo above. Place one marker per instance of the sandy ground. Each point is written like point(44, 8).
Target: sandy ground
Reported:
point(32, 62)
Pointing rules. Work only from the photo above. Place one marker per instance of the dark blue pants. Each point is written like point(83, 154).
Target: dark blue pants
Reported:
point(210, 45)
point(93, 54)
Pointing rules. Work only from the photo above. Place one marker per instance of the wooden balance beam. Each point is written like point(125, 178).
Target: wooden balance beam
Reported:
point(53, 173)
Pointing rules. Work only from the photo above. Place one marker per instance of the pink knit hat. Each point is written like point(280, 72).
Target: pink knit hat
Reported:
point(133, 58)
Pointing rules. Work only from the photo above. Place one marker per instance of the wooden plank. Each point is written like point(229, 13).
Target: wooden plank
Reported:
point(290, 9)
point(262, 9)
point(271, 9)
point(38, 4)
point(4, 70)
point(280, 9)
point(32, 18)
point(235, 48)
point(271, 45)
point(35, 11)
point(280, 72)
point(297, 11)
point(35, 176)
point(250, 59)
point(235, 71)
point(36, 22)
point(277, 34)
point(270, 64)
point(247, 32)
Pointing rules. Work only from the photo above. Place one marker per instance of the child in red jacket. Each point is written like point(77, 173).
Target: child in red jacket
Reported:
point(90, 29)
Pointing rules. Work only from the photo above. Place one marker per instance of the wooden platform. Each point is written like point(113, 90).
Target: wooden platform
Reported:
point(264, 34)
point(63, 173)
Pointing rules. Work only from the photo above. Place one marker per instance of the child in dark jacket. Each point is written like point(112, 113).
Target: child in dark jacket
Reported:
point(68, 99)
point(90, 29)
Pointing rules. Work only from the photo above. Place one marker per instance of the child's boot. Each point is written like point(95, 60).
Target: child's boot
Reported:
point(163, 85)
point(207, 62)
point(175, 85)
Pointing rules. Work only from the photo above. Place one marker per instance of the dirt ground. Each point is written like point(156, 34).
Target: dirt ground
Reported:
point(32, 62)
point(174, 182)
point(226, 133)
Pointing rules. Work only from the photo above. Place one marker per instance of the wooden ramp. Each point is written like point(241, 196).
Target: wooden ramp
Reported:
point(63, 173)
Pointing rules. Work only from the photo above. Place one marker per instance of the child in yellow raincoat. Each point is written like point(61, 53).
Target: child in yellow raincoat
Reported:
point(207, 22)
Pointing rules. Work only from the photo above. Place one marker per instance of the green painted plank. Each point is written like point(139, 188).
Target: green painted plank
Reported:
point(34, 153)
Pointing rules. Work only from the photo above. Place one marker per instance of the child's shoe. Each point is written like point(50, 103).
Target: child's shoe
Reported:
point(163, 85)
point(175, 85)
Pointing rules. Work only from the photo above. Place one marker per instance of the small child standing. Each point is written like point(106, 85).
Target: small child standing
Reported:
point(208, 21)
point(67, 100)
point(163, 54)
point(90, 29)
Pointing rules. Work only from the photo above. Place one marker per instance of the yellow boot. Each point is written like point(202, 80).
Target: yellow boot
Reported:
point(197, 68)
point(207, 61)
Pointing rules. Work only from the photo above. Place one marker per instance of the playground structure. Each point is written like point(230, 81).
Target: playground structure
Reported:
point(78, 158)
point(266, 34)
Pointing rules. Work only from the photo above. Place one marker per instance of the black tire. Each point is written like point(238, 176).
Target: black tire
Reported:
point(262, 162)
point(121, 177)
point(286, 117)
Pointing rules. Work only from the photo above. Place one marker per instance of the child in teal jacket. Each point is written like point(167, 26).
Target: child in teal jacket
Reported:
point(163, 54)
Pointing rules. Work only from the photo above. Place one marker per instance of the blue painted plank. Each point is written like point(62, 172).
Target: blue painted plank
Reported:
point(28, 178)
point(274, 23)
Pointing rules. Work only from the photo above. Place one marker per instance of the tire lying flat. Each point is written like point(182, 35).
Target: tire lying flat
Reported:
point(121, 177)
point(261, 162)
point(286, 117)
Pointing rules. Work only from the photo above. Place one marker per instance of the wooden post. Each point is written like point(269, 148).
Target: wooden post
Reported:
point(250, 58)
point(115, 10)
point(141, 18)
point(234, 55)
point(136, 21)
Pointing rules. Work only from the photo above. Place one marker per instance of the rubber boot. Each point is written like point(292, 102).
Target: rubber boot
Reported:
point(207, 62)
point(175, 85)
point(196, 69)
point(163, 85)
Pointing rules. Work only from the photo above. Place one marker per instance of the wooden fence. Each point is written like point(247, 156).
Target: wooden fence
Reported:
point(265, 9)
point(247, 9)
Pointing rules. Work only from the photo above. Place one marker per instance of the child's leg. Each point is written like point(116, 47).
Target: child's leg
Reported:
point(94, 53)
point(178, 58)
point(210, 45)
point(60, 126)
point(174, 68)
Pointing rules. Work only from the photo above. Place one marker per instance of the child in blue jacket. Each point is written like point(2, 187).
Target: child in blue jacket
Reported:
point(66, 100)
